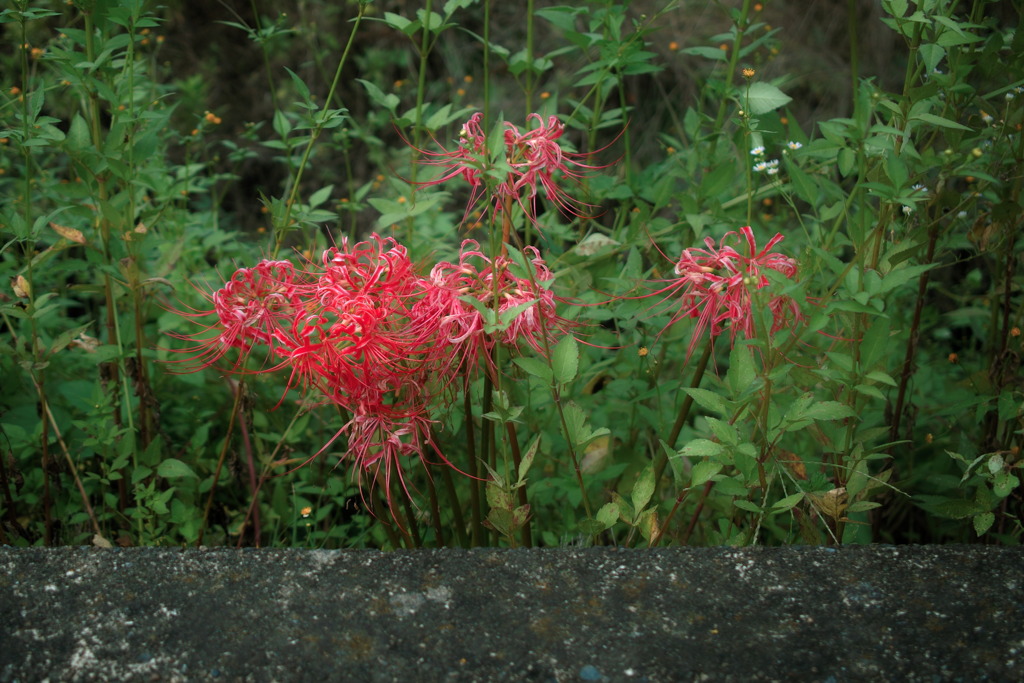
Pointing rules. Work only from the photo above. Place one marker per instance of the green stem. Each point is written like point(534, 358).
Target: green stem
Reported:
point(529, 76)
point(475, 499)
point(282, 229)
point(460, 522)
point(684, 409)
point(220, 462)
point(435, 512)
point(730, 75)
point(517, 458)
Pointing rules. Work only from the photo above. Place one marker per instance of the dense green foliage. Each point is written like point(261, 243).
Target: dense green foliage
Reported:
point(147, 155)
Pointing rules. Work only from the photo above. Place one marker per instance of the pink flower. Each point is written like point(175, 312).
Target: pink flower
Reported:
point(535, 157)
point(528, 306)
point(716, 285)
point(534, 160)
point(251, 309)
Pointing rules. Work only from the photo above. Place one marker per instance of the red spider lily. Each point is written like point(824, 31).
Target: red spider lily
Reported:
point(251, 308)
point(534, 158)
point(716, 286)
point(462, 325)
point(373, 338)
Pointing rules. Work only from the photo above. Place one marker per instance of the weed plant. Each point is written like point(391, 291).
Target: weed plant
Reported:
point(458, 276)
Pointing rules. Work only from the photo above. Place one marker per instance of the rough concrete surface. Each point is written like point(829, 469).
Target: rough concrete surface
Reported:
point(879, 613)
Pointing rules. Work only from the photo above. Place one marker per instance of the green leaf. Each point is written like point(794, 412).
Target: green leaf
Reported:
point(608, 515)
point(300, 85)
point(78, 137)
point(699, 448)
point(862, 506)
point(527, 460)
point(723, 431)
point(643, 489)
point(788, 502)
point(744, 504)
point(708, 400)
point(703, 471)
point(535, 367)
point(714, 53)
point(764, 97)
point(881, 378)
point(140, 473)
point(829, 410)
point(983, 522)
point(871, 391)
point(172, 468)
point(389, 101)
point(592, 527)
point(565, 359)
point(903, 274)
point(1004, 483)
point(741, 373)
point(398, 22)
point(320, 196)
point(939, 121)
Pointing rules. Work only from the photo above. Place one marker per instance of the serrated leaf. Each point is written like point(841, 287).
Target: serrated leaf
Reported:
point(520, 515)
point(500, 520)
point(699, 448)
point(744, 504)
point(527, 460)
point(608, 515)
point(565, 359)
point(881, 378)
point(788, 502)
point(723, 431)
point(396, 21)
point(829, 410)
point(741, 374)
point(868, 390)
point(591, 527)
point(764, 97)
point(983, 522)
point(703, 471)
point(593, 243)
point(862, 506)
point(535, 367)
point(708, 400)
point(643, 489)
point(140, 473)
point(172, 468)
point(1004, 483)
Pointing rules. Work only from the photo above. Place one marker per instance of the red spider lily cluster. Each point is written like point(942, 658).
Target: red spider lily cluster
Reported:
point(366, 332)
point(716, 286)
point(533, 159)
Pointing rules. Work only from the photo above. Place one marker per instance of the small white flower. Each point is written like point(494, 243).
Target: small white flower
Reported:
point(986, 117)
point(961, 214)
point(1008, 96)
point(761, 167)
point(907, 210)
point(774, 163)
point(773, 170)
point(758, 151)
point(920, 188)
point(794, 145)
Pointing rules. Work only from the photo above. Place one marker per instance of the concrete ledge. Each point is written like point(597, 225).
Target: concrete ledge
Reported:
point(880, 613)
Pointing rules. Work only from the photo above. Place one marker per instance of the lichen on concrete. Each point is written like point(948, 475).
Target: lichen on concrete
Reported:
point(878, 613)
